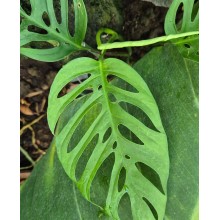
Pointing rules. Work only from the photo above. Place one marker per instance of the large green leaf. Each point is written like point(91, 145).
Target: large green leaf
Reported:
point(107, 135)
point(188, 46)
point(173, 81)
point(57, 32)
point(50, 194)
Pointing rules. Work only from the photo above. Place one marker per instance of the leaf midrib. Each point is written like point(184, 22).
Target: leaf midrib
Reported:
point(50, 30)
point(105, 95)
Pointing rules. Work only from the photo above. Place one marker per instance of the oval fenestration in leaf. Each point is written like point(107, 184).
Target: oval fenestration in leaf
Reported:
point(56, 34)
point(152, 151)
point(188, 46)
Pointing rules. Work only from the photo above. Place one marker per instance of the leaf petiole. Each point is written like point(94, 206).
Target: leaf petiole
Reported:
point(141, 43)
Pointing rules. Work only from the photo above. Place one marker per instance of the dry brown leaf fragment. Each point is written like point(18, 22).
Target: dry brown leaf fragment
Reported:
point(26, 110)
point(43, 104)
point(32, 94)
point(45, 87)
point(33, 71)
point(24, 102)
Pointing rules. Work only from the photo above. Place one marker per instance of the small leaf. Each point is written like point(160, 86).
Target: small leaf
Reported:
point(188, 46)
point(187, 23)
point(152, 149)
point(56, 34)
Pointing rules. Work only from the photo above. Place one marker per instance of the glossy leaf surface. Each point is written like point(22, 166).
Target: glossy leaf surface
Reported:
point(107, 136)
point(175, 88)
point(42, 25)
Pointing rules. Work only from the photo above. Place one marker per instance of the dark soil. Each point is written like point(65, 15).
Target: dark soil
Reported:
point(36, 78)
point(142, 20)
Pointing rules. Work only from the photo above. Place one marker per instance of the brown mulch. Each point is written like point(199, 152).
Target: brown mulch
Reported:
point(35, 81)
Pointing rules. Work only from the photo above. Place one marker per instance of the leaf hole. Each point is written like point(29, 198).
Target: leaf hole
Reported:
point(79, 5)
point(66, 89)
point(81, 78)
point(179, 16)
point(102, 179)
point(139, 114)
point(99, 87)
point(26, 6)
point(110, 78)
point(187, 46)
point(151, 175)
point(127, 157)
point(35, 29)
point(40, 45)
point(46, 18)
point(107, 135)
point(114, 145)
point(57, 30)
point(57, 10)
point(81, 164)
point(124, 208)
point(84, 125)
point(122, 84)
point(195, 10)
point(71, 18)
point(112, 97)
point(129, 135)
point(153, 210)
point(73, 84)
point(121, 179)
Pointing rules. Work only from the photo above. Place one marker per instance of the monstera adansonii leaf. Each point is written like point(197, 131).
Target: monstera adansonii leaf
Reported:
point(188, 46)
point(141, 163)
point(44, 24)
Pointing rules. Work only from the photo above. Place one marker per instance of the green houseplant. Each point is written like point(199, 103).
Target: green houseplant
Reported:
point(110, 154)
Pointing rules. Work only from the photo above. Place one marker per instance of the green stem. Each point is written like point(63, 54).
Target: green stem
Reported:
point(141, 43)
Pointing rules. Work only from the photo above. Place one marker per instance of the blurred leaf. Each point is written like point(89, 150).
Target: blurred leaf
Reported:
point(173, 81)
